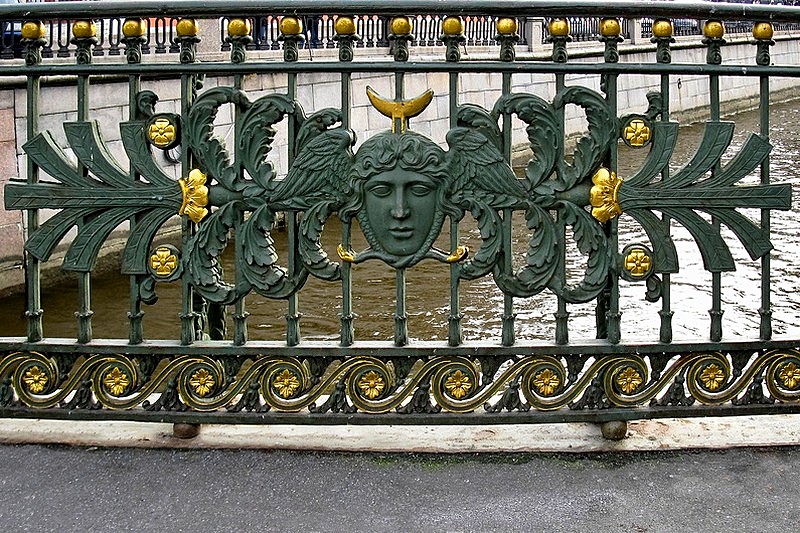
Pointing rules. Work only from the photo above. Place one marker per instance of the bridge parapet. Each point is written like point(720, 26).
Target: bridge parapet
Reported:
point(575, 225)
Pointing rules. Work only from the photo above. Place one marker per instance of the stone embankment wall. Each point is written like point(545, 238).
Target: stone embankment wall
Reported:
point(688, 103)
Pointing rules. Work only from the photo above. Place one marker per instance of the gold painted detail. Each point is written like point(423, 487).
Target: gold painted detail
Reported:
point(238, 27)
point(162, 132)
point(629, 380)
point(604, 195)
point(33, 29)
point(400, 111)
point(401, 26)
point(291, 26)
point(452, 26)
point(458, 254)
point(713, 29)
point(195, 196)
point(558, 27)
point(84, 29)
point(458, 384)
point(790, 375)
point(134, 28)
point(163, 262)
point(116, 381)
point(546, 382)
point(662, 28)
point(763, 31)
point(202, 382)
point(638, 263)
point(35, 379)
point(637, 133)
point(286, 383)
point(610, 28)
point(345, 255)
point(345, 26)
point(712, 377)
point(371, 384)
point(187, 28)
point(506, 26)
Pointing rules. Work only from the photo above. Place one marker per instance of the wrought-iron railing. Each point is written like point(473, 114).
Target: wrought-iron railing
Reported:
point(458, 208)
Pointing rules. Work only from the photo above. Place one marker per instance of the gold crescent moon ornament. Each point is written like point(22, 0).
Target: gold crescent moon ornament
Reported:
point(400, 110)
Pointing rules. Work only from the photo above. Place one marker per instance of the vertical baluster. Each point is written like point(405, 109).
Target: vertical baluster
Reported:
point(508, 37)
point(169, 34)
point(147, 38)
point(662, 36)
point(114, 36)
point(558, 28)
point(84, 32)
point(292, 35)
point(33, 34)
point(713, 32)
point(47, 49)
point(763, 32)
point(400, 36)
point(238, 38)
point(160, 35)
point(453, 37)
point(610, 30)
point(346, 36)
point(133, 31)
point(97, 50)
point(63, 38)
point(187, 40)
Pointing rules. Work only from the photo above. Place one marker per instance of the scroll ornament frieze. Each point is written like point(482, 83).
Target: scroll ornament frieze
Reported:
point(365, 384)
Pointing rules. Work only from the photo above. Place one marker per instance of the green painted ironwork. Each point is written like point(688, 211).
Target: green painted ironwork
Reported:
point(403, 191)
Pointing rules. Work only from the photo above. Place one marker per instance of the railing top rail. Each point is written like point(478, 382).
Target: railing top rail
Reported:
point(213, 8)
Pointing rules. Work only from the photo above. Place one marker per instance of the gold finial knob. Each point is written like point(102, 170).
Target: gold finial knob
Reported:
point(187, 28)
point(610, 28)
point(452, 26)
point(558, 27)
point(238, 27)
point(506, 26)
point(713, 29)
point(84, 29)
point(33, 30)
point(401, 26)
point(762, 31)
point(134, 28)
point(662, 28)
point(291, 26)
point(345, 26)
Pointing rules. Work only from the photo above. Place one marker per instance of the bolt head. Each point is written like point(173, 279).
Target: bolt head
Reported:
point(662, 28)
point(610, 28)
point(84, 29)
point(713, 29)
point(558, 27)
point(187, 28)
point(506, 26)
point(291, 26)
point(134, 28)
point(345, 26)
point(762, 31)
point(33, 30)
point(452, 26)
point(238, 27)
point(401, 26)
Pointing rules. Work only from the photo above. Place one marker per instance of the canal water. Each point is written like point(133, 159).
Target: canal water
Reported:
point(481, 301)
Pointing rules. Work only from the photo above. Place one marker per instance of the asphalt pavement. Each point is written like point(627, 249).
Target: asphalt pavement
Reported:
point(66, 489)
